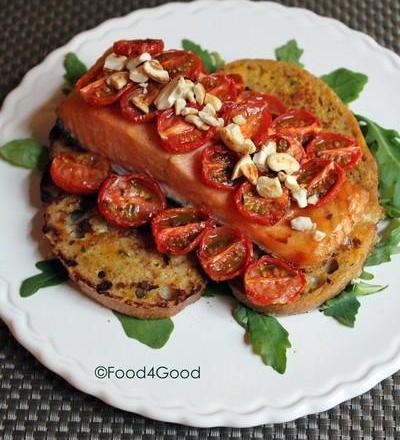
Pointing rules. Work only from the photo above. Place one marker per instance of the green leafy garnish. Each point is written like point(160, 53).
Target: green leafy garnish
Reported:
point(212, 60)
point(388, 245)
point(74, 69)
point(152, 332)
point(52, 274)
point(267, 337)
point(344, 307)
point(366, 276)
point(385, 146)
point(347, 84)
point(25, 153)
point(216, 289)
point(289, 52)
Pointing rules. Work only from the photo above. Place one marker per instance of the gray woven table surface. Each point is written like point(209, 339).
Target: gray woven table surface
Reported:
point(37, 404)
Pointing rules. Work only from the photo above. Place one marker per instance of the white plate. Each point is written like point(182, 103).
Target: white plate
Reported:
point(71, 335)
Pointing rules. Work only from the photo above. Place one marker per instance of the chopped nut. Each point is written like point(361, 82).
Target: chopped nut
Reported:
point(291, 183)
point(239, 119)
point(282, 176)
point(154, 70)
point(170, 93)
point(114, 62)
point(137, 75)
point(283, 162)
point(208, 108)
point(302, 224)
point(197, 122)
point(221, 122)
point(245, 167)
point(260, 158)
point(319, 235)
point(118, 80)
point(300, 196)
point(189, 111)
point(180, 105)
point(214, 101)
point(269, 187)
point(313, 200)
point(209, 119)
point(135, 62)
point(233, 138)
point(140, 103)
point(249, 144)
point(199, 93)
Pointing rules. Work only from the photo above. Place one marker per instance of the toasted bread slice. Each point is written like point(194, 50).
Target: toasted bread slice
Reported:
point(298, 89)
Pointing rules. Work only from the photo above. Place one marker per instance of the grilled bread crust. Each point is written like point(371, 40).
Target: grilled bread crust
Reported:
point(299, 89)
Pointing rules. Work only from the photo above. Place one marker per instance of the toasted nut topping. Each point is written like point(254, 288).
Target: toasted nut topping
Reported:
point(154, 70)
point(249, 144)
point(302, 224)
point(301, 197)
point(118, 80)
point(221, 122)
point(282, 176)
point(189, 111)
point(197, 122)
point(138, 102)
point(199, 93)
point(209, 119)
point(319, 235)
point(180, 105)
point(245, 167)
point(208, 108)
point(260, 158)
point(135, 62)
point(239, 119)
point(283, 162)
point(233, 138)
point(170, 93)
point(291, 183)
point(214, 101)
point(269, 187)
point(313, 200)
point(138, 76)
point(115, 62)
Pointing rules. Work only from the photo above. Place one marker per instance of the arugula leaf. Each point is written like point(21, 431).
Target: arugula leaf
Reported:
point(389, 245)
point(212, 60)
point(74, 68)
point(366, 276)
point(52, 274)
point(347, 84)
point(290, 52)
point(152, 332)
point(267, 337)
point(385, 146)
point(216, 289)
point(344, 308)
point(25, 153)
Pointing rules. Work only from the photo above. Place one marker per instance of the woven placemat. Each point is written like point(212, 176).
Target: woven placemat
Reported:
point(37, 404)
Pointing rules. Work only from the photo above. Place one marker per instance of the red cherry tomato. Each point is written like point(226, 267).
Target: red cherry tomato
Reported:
point(217, 164)
point(100, 94)
point(177, 231)
point(297, 123)
point(220, 85)
point(130, 200)
point(322, 178)
point(257, 119)
point(178, 136)
point(181, 63)
point(332, 146)
point(265, 211)
point(288, 144)
point(224, 253)
point(275, 105)
point(131, 48)
point(92, 75)
point(237, 81)
point(79, 173)
point(272, 281)
point(143, 99)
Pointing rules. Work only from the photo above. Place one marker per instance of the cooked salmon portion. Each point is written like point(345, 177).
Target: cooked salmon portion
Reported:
point(137, 147)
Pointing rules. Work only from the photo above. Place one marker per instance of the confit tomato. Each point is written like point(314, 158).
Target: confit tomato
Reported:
point(99, 93)
point(220, 85)
point(289, 145)
point(181, 63)
point(137, 105)
point(275, 105)
point(132, 48)
point(300, 124)
point(217, 164)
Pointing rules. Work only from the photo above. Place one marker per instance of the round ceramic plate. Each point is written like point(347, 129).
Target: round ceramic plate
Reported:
point(71, 335)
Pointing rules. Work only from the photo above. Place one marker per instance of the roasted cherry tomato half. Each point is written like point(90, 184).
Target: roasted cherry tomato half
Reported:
point(265, 211)
point(131, 48)
point(178, 136)
point(332, 146)
point(289, 145)
point(92, 75)
point(224, 253)
point(79, 173)
point(297, 123)
point(181, 63)
point(99, 93)
point(220, 85)
point(272, 281)
point(237, 81)
point(137, 105)
point(275, 105)
point(322, 178)
point(178, 231)
point(257, 119)
point(217, 164)
point(130, 200)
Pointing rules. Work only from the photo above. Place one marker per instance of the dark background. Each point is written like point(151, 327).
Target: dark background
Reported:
point(37, 404)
